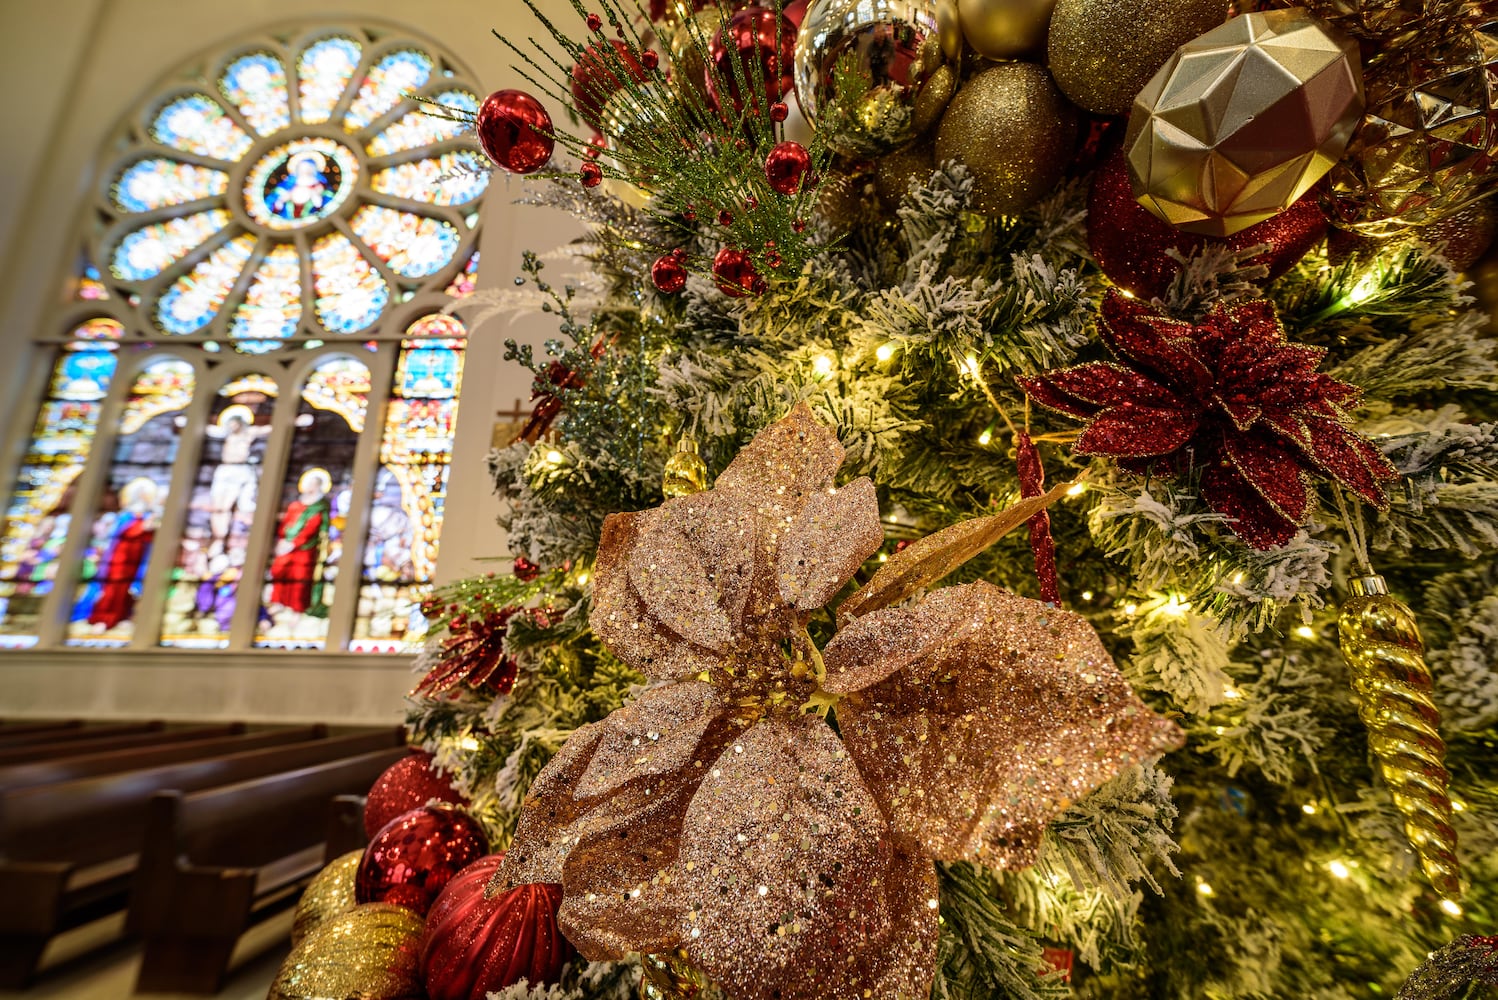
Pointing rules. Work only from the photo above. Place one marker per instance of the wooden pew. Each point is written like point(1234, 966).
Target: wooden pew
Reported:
point(45, 744)
point(217, 861)
point(80, 748)
point(15, 728)
point(68, 850)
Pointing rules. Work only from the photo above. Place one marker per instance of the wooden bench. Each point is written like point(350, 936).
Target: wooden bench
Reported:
point(217, 861)
point(14, 728)
point(68, 850)
point(59, 736)
point(82, 748)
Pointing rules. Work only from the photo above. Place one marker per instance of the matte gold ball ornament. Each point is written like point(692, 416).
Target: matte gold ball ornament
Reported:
point(1243, 120)
point(329, 895)
point(1004, 29)
point(1014, 131)
point(372, 952)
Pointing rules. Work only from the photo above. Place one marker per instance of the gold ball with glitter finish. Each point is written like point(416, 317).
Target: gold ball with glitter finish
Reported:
point(1013, 130)
point(1242, 121)
point(895, 173)
point(1004, 29)
point(686, 472)
point(863, 68)
point(329, 895)
point(372, 952)
point(1103, 52)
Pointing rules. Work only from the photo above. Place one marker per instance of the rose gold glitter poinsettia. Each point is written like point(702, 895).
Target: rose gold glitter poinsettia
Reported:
point(714, 818)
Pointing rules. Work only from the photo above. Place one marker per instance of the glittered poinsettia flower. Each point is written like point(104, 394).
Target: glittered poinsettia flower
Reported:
point(1229, 396)
point(715, 818)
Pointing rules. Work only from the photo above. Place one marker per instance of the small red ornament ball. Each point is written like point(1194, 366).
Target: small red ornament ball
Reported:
point(764, 44)
point(474, 946)
point(734, 273)
point(1131, 245)
point(591, 174)
point(413, 857)
point(786, 166)
point(515, 131)
point(406, 784)
point(596, 77)
point(668, 274)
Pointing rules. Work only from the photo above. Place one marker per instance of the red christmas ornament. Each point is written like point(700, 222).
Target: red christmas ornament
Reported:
point(547, 396)
point(650, 59)
point(1042, 545)
point(411, 858)
point(591, 174)
point(408, 783)
point(475, 945)
point(764, 44)
point(779, 111)
point(668, 275)
point(597, 77)
point(515, 131)
point(796, 11)
point(1230, 397)
point(1130, 244)
point(595, 23)
point(725, 217)
point(524, 570)
point(786, 166)
point(734, 272)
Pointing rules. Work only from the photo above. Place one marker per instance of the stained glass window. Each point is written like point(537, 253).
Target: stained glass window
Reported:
point(449, 179)
point(148, 251)
point(419, 128)
point(272, 307)
point(196, 297)
point(350, 294)
point(466, 280)
point(90, 288)
point(412, 245)
point(158, 182)
point(256, 85)
point(382, 88)
point(196, 124)
point(325, 69)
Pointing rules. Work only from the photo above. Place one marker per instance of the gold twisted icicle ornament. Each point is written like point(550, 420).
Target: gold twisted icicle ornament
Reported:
point(1382, 646)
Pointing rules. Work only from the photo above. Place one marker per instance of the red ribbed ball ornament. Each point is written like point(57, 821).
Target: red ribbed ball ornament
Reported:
point(406, 784)
point(763, 43)
point(474, 945)
point(515, 131)
point(413, 857)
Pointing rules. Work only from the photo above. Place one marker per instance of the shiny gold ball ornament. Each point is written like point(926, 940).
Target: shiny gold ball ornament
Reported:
point(1386, 656)
point(329, 895)
point(686, 472)
point(672, 977)
point(1242, 121)
point(372, 952)
point(1003, 29)
point(687, 38)
point(1103, 52)
point(1014, 131)
point(863, 68)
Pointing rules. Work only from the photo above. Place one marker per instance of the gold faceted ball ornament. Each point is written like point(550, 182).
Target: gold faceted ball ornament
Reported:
point(672, 977)
point(329, 895)
point(1004, 29)
point(1243, 120)
point(863, 69)
point(372, 952)
point(1102, 52)
point(686, 472)
point(1388, 23)
point(1014, 131)
point(894, 174)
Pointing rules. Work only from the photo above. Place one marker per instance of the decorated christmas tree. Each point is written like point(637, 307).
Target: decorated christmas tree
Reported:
point(1011, 511)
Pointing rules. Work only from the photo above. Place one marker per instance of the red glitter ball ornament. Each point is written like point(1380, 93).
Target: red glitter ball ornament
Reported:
point(475, 944)
point(725, 217)
point(786, 166)
point(1131, 245)
point(764, 44)
point(591, 174)
point(597, 77)
point(413, 857)
point(515, 131)
point(408, 783)
point(734, 272)
point(668, 274)
point(1228, 396)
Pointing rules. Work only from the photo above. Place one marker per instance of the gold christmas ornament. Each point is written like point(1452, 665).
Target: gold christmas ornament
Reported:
point(1386, 656)
point(686, 472)
point(1003, 29)
point(686, 39)
point(671, 977)
point(895, 173)
point(1388, 23)
point(372, 952)
point(329, 895)
point(1103, 52)
point(863, 68)
point(1014, 131)
point(1425, 146)
point(1242, 121)
point(842, 198)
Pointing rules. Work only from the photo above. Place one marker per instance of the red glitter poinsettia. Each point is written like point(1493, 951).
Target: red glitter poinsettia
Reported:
point(1229, 396)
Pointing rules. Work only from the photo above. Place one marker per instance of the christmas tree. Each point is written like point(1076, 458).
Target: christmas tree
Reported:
point(805, 683)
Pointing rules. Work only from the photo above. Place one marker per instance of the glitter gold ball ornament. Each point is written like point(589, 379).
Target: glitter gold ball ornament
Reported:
point(1386, 657)
point(1242, 121)
point(1013, 130)
point(842, 198)
point(372, 952)
point(687, 42)
point(1103, 52)
point(863, 68)
point(329, 895)
point(895, 173)
point(686, 472)
point(1003, 29)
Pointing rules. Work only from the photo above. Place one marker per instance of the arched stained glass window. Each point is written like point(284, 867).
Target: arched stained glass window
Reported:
point(266, 259)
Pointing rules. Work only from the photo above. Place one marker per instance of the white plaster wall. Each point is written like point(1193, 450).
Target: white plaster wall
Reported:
point(70, 69)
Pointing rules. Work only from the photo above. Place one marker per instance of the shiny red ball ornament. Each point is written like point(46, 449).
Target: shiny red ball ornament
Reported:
point(591, 174)
point(595, 23)
point(796, 11)
point(668, 274)
point(524, 570)
point(764, 44)
point(415, 855)
point(779, 111)
point(597, 77)
point(515, 131)
point(650, 59)
point(725, 217)
point(474, 946)
point(786, 166)
point(407, 784)
point(734, 272)
point(1131, 245)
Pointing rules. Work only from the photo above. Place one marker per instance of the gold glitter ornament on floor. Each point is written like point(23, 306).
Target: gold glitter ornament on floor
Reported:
point(1382, 646)
point(717, 821)
point(1013, 130)
point(686, 472)
point(329, 895)
point(372, 952)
